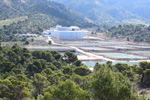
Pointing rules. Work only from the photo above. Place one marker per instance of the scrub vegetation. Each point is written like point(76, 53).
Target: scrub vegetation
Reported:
point(136, 33)
point(47, 75)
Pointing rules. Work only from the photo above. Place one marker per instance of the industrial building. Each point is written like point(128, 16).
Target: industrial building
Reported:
point(60, 32)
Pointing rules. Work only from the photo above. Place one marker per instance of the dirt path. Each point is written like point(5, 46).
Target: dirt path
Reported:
point(91, 55)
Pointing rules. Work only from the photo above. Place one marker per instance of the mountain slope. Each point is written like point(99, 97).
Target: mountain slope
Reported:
point(112, 11)
point(33, 16)
point(55, 13)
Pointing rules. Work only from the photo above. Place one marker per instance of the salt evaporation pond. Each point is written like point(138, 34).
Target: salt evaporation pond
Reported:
point(74, 42)
point(110, 43)
point(119, 47)
point(138, 46)
point(145, 53)
point(94, 48)
point(92, 64)
point(120, 55)
point(46, 47)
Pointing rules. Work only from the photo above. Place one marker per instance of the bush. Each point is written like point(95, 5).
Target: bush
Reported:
point(26, 43)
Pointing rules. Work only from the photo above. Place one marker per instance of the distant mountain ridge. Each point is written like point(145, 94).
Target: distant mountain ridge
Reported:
point(112, 11)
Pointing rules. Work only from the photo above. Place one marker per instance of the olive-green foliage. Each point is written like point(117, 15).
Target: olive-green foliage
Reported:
point(137, 33)
point(97, 66)
point(109, 85)
point(67, 90)
point(70, 57)
point(47, 75)
point(143, 71)
point(146, 79)
point(78, 63)
point(67, 70)
point(39, 83)
point(82, 71)
point(13, 88)
point(6, 66)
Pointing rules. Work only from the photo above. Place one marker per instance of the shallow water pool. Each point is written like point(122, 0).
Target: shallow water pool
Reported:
point(120, 55)
point(92, 64)
point(145, 53)
point(138, 46)
point(120, 47)
point(46, 47)
point(94, 48)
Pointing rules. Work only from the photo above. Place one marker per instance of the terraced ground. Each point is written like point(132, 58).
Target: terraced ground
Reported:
point(95, 50)
point(100, 50)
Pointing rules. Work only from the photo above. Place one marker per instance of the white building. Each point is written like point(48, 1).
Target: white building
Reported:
point(60, 32)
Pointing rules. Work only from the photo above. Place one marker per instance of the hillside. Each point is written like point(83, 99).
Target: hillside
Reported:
point(136, 33)
point(33, 16)
point(54, 13)
point(112, 11)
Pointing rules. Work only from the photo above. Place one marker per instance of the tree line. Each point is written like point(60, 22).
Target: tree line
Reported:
point(136, 33)
point(32, 25)
point(48, 75)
